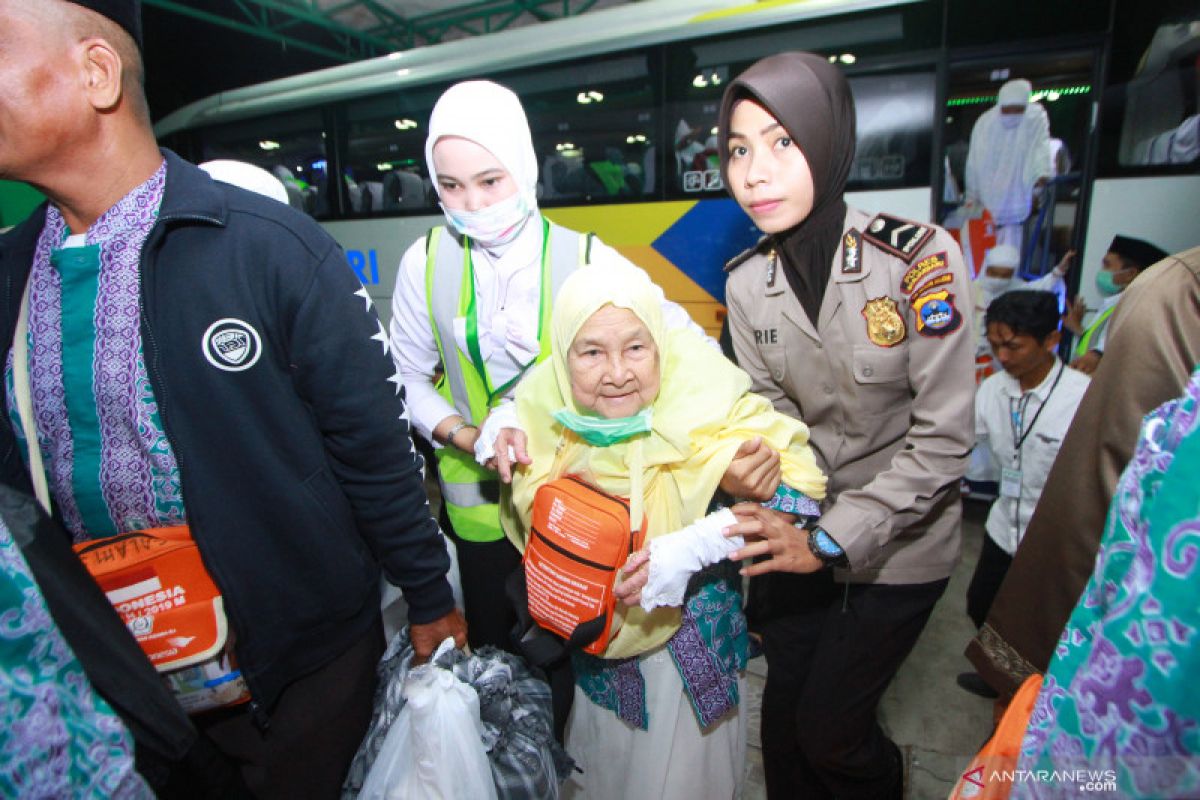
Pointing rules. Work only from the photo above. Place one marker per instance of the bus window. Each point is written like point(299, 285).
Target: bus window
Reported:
point(289, 146)
point(895, 109)
point(385, 153)
point(595, 129)
point(1160, 117)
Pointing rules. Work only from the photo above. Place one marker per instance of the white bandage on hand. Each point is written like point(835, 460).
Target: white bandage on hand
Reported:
point(675, 557)
point(502, 416)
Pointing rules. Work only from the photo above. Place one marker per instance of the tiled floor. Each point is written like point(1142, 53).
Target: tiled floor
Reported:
point(937, 725)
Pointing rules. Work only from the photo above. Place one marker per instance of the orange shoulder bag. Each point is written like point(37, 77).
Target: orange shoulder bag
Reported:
point(580, 538)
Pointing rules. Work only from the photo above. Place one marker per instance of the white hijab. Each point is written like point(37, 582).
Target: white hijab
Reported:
point(1002, 255)
point(491, 116)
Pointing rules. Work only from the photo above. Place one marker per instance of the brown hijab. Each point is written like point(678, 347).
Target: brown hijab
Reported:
point(811, 99)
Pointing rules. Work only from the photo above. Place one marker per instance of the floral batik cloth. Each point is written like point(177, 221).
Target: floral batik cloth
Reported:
point(58, 738)
point(109, 465)
point(1120, 707)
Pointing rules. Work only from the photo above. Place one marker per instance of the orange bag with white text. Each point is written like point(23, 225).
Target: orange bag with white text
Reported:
point(581, 537)
point(159, 585)
point(988, 776)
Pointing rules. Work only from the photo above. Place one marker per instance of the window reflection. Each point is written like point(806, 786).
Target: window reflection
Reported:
point(290, 146)
point(595, 129)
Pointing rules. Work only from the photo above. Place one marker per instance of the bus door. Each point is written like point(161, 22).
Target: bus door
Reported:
point(1065, 86)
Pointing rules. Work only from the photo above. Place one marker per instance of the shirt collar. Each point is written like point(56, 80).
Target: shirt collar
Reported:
point(1012, 386)
point(126, 215)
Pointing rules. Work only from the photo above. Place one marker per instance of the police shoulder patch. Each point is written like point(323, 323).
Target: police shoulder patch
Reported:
point(760, 246)
point(936, 314)
point(938, 280)
point(926, 267)
point(900, 237)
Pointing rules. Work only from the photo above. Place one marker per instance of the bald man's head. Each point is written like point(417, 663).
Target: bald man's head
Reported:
point(72, 83)
point(62, 24)
point(84, 24)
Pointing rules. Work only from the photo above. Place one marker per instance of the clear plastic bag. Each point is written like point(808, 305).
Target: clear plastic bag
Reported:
point(434, 749)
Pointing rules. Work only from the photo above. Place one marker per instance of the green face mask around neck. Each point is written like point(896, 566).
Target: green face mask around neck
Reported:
point(602, 431)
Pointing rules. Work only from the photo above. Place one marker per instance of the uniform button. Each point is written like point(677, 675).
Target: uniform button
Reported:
point(820, 346)
point(778, 374)
point(827, 387)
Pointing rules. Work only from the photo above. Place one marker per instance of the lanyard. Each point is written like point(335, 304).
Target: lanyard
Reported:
point(1017, 413)
point(473, 316)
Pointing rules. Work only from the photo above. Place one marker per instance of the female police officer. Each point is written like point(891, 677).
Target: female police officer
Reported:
point(853, 323)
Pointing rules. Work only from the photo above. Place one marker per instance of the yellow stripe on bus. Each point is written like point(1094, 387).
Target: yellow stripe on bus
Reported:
point(635, 223)
point(724, 13)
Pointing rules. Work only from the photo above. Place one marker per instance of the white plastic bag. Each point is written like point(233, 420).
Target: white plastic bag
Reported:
point(434, 748)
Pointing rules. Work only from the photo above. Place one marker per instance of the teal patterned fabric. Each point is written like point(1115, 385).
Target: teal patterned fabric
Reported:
point(1120, 699)
point(58, 738)
point(710, 650)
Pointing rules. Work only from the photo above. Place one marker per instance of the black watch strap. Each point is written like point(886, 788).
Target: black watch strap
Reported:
point(825, 548)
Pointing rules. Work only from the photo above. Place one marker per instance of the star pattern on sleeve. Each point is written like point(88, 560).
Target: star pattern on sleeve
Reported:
point(381, 336)
point(362, 292)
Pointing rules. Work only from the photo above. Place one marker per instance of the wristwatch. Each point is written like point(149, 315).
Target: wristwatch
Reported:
point(825, 548)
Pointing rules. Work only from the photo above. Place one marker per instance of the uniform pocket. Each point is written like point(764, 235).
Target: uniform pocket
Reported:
point(881, 377)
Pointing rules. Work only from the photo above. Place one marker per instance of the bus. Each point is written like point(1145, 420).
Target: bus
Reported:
point(623, 106)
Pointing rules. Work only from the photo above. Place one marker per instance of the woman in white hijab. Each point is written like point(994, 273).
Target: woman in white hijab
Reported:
point(471, 309)
point(1009, 157)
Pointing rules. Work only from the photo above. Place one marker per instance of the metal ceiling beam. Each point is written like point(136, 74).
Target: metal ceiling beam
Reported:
point(275, 20)
point(286, 22)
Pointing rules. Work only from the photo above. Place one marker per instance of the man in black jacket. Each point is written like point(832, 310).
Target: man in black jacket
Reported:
point(200, 354)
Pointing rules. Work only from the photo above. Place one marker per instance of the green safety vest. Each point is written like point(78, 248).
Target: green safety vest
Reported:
point(1086, 340)
point(471, 493)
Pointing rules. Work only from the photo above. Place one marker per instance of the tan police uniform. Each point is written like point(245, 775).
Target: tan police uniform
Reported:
point(885, 382)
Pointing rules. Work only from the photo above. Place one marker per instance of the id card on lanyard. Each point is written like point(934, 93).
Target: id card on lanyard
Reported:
point(1010, 477)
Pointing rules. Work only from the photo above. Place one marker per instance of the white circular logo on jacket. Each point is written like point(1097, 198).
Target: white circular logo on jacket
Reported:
point(231, 345)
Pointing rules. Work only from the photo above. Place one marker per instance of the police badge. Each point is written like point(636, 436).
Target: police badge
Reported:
point(885, 326)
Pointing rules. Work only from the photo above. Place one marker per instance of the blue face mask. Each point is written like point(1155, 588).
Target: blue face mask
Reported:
point(1106, 284)
point(602, 431)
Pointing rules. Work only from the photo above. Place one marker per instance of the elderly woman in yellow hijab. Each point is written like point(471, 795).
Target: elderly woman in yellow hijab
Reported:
point(655, 416)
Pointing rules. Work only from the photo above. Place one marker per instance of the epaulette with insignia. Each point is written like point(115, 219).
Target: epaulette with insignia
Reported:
point(741, 258)
point(902, 238)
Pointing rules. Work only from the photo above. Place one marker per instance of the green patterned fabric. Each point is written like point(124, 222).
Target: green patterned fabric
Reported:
point(1120, 699)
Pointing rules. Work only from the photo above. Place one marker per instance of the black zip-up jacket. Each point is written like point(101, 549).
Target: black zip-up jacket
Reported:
point(285, 414)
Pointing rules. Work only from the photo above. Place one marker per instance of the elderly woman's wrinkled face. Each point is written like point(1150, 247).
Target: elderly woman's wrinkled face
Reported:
point(614, 364)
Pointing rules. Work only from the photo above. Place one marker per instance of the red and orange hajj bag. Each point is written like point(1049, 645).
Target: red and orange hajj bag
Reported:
point(162, 591)
point(580, 539)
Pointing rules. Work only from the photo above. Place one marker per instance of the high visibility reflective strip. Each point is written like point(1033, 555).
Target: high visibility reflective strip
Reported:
point(1086, 340)
point(471, 494)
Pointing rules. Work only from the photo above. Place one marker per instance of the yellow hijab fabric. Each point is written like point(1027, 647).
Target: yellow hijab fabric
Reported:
point(702, 414)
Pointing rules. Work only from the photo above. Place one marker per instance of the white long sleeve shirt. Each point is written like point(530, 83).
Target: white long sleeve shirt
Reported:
point(998, 399)
point(507, 297)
